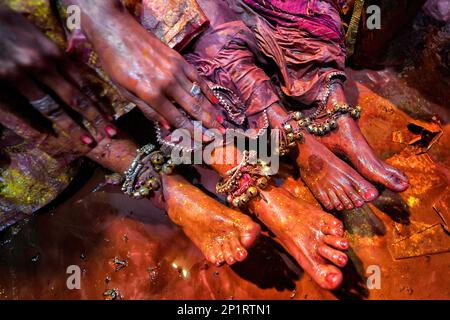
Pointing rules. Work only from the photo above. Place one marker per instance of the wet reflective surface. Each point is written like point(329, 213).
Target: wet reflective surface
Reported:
point(131, 247)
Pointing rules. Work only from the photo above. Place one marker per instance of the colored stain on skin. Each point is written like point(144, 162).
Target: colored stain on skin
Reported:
point(413, 201)
point(23, 189)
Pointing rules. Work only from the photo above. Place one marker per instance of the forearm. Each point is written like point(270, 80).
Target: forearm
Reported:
point(102, 20)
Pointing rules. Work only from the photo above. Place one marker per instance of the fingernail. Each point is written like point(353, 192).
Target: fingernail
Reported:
point(111, 131)
point(344, 244)
point(219, 119)
point(166, 126)
point(359, 203)
point(214, 100)
point(87, 140)
point(222, 130)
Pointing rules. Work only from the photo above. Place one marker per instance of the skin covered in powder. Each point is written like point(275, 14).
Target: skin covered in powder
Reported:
point(221, 233)
point(313, 237)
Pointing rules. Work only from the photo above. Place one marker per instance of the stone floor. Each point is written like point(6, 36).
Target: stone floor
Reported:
point(401, 234)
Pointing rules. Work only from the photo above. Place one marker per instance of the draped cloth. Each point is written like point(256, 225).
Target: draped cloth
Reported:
point(304, 38)
point(225, 55)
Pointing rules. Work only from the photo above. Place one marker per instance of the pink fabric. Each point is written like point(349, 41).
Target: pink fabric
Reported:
point(224, 56)
point(306, 41)
point(319, 17)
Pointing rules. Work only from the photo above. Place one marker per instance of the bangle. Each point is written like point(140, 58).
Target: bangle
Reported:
point(289, 136)
point(243, 182)
point(142, 177)
point(326, 122)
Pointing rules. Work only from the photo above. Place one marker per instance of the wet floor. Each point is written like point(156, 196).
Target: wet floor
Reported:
point(127, 249)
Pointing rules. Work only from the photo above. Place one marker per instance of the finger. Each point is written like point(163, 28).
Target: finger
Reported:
point(80, 103)
point(147, 110)
point(193, 76)
point(175, 118)
point(51, 110)
point(198, 107)
point(74, 73)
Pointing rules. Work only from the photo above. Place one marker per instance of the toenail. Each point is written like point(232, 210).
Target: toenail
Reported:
point(343, 244)
point(370, 195)
point(342, 260)
point(332, 278)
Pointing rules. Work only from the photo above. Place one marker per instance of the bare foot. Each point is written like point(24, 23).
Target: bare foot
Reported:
point(333, 182)
point(222, 234)
point(313, 237)
point(348, 140)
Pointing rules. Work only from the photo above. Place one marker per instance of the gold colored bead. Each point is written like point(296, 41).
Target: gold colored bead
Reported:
point(137, 194)
point(144, 191)
point(262, 182)
point(252, 192)
point(330, 113)
point(290, 136)
point(167, 169)
point(153, 183)
point(292, 144)
point(170, 163)
point(333, 124)
point(157, 159)
point(244, 199)
point(236, 202)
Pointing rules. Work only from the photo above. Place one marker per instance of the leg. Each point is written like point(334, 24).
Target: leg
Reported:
point(349, 141)
point(222, 234)
point(313, 237)
point(333, 182)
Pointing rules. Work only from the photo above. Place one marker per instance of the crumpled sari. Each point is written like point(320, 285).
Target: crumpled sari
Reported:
point(304, 38)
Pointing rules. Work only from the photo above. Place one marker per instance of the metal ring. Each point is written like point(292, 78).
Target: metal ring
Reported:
point(45, 105)
point(196, 91)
